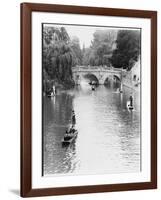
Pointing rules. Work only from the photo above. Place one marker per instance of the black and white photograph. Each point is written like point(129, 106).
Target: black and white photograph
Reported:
point(91, 99)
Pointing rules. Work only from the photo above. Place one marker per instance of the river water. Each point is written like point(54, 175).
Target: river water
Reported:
point(108, 138)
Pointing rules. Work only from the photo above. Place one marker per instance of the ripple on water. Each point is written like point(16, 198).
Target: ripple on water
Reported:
point(108, 134)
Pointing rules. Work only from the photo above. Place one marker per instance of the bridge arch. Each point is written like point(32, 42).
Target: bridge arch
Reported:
point(117, 78)
point(114, 78)
point(91, 77)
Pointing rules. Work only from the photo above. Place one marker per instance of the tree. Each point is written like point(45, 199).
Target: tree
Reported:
point(101, 48)
point(77, 52)
point(127, 49)
point(88, 57)
point(58, 56)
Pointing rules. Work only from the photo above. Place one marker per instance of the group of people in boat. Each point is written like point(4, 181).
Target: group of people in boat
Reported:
point(93, 85)
point(69, 133)
point(71, 130)
point(130, 105)
point(51, 91)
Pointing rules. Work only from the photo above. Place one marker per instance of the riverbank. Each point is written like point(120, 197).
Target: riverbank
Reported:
point(49, 83)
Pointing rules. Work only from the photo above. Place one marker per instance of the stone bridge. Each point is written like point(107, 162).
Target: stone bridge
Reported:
point(100, 73)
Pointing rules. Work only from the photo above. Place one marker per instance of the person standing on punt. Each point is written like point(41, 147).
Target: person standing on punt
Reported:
point(131, 101)
point(73, 118)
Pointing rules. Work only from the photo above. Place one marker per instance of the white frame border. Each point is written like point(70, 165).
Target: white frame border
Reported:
point(64, 181)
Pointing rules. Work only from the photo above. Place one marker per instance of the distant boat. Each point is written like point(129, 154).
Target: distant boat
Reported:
point(93, 87)
point(130, 107)
point(137, 84)
point(51, 94)
point(92, 83)
point(118, 91)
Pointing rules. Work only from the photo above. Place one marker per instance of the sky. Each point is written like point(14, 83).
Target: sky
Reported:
point(84, 33)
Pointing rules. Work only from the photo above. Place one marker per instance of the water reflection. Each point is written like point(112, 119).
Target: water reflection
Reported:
point(108, 133)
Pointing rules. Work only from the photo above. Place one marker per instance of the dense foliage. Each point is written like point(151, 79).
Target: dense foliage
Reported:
point(59, 55)
point(76, 50)
point(127, 49)
point(101, 48)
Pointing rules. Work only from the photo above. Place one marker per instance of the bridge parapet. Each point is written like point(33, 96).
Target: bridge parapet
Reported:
point(101, 73)
point(95, 68)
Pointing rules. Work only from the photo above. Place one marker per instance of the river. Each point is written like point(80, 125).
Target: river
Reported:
point(108, 138)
